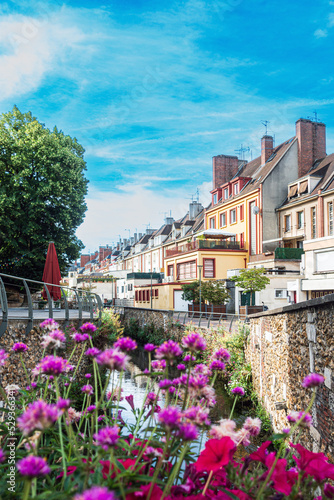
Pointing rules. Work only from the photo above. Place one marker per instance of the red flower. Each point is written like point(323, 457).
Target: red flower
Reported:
point(261, 453)
point(279, 475)
point(143, 491)
point(314, 464)
point(216, 454)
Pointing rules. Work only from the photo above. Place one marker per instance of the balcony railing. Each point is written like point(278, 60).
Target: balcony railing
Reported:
point(203, 245)
point(288, 253)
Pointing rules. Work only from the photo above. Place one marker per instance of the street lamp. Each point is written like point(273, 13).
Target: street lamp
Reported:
point(200, 286)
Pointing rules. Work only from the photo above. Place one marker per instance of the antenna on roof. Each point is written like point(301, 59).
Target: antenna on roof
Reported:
point(194, 197)
point(242, 150)
point(265, 124)
point(315, 117)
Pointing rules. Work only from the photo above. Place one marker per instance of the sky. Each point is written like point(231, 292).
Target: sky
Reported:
point(154, 89)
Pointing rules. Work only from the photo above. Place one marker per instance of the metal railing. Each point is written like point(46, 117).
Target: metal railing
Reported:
point(86, 301)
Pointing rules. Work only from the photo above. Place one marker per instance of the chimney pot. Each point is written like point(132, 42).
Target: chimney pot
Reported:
point(224, 168)
point(267, 147)
point(311, 143)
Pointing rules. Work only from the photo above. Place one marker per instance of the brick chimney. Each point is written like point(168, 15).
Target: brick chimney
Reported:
point(267, 147)
point(223, 168)
point(311, 143)
point(84, 258)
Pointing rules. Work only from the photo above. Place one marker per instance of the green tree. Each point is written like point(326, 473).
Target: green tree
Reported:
point(214, 292)
point(42, 194)
point(191, 291)
point(252, 280)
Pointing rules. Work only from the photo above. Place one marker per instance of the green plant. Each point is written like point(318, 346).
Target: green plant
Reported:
point(111, 326)
point(251, 280)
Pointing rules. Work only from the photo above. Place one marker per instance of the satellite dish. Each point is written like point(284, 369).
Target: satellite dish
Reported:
point(256, 210)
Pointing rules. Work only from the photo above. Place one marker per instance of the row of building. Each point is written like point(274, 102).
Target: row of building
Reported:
point(275, 211)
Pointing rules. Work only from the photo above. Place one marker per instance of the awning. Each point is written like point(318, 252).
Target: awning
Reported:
point(215, 234)
point(303, 186)
point(293, 190)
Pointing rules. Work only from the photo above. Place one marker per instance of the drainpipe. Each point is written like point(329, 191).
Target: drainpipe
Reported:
point(320, 210)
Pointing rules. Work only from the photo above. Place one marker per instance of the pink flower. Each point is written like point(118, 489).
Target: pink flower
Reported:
point(187, 432)
point(113, 359)
point(96, 493)
point(168, 351)
point(158, 365)
point(170, 417)
point(55, 338)
point(92, 352)
point(63, 404)
point(279, 475)
point(142, 493)
point(20, 347)
point(314, 464)
point(33, 467)
point(217, 365)
point(129, 399)
point(87, 389)
point(222, 355)
point(239, 391)
point(80, 337)
point(53, 365)
point(260, 455)
point(73, 416)
point(107, 437)
point(3, 357)
point(38, 416)
point(2, 456)
point(149, 347)
point(49, 324)
point(252, 425)
point(217, 454)
point(125, 344)
point(194, 342)
point(225, 428)
point(197, 415)
point(313, 380)
point(295, 416)
point(88, 328)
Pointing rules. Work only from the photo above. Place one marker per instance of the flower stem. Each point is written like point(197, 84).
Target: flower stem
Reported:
point(234, 403)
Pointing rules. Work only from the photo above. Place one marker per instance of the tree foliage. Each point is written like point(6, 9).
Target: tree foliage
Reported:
point(190, 291)
point(251, 280)
point(213, 292)
point(42, 194)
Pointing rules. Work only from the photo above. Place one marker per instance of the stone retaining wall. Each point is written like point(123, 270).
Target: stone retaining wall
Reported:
point(284, 346)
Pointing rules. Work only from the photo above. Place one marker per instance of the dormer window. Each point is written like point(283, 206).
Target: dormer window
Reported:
point(225, 193)
point(215, 199)
point(235, 189)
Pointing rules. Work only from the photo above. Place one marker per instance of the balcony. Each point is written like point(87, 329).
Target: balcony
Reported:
point(203, 245)
point(289, 253)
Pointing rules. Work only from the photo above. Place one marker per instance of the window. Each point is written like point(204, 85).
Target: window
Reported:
point(233, 216)
point(280, 293)
point(300, 220)
point(140, 294)
point(241, 212)
point(147, 295)
point(136, 295)
point(225, 193)
point(287, 223)
point(186, 270)
point(313, 223)
point(208, 268)
point(213, 223)
point(222, 219)
point(129, 288)
point(235, 188)
point(242, 241)
point(122, 289)
point(170, 270)
point(215, 199)
point(330, 219)
point(156, 292)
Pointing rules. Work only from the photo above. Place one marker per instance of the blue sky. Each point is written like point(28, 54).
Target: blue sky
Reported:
point(153, 90)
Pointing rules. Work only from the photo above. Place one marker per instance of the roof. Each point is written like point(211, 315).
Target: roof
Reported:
point(214, 233)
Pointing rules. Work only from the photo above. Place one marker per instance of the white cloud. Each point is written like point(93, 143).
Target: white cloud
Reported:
point(321, 33)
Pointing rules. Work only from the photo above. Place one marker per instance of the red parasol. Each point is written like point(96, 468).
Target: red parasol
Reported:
point(51, 273)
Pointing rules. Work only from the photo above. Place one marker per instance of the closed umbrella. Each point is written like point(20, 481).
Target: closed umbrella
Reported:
point(51, 273)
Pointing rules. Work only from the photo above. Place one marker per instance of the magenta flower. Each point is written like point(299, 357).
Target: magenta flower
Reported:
point(151, 398)
point(113, 359)
point(80, 337)
point(170, 417)
point(125, 344)
point(88, 328)
point(158, 365)
point(168, 351)
point(55, 338)
point(188, 432)
point(101, 418)
point(165, 384)
point(253, 426)
point(129, 399)
point(38, 416)
point(222, 355)
point(188, 358)
point(197, 415)
point(33, 467)
point(88, 375)
point(149, 347)
point(63, 404)
point(20, 347)
point(87, 389)
point(96, 493)
point(194, 342)
point(239, 391)
point(107, 437)
point(92, 352)
point(53, 365)
point(2, 456)
point(295, 416)
point(3, 357)
point(217, 365)
point(313, 380)
point(181, 367)
point(90, 409)
point(49, 324)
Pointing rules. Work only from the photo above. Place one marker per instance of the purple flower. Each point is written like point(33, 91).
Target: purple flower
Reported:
point(149, 347)
point(125, 344)
point(101, 418)
point(295, 416)
point(38, 416)
point(239, 391)
point(49, 324)
point(55, 338)
point(96, 493)
point(88, 328)
point(194, 342)
point(3, 357)
point(188, 432)
point(113, 359)
point(313, 380)
point(20, 347)
point(158, 365)
point(222, 355)
point(92, 352)
point(181, 367)
point(80, 337)
point(197, 415)
point(33, 467)
point(87, 389)
point(165, 384)
point(53, 365)
point(33, 385)
point(88, 375)
point(90, 409)
point(107, 437)
point(151, 398)
point(170, 417)
point(253, 426)
point(217, 365)
point(2, 456)
point(129, 399)
point(188, 358)
point(168, 351)
point(63, 404)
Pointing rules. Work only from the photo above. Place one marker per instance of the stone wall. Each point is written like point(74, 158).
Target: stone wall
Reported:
point(285, 345)
point(13, 372)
